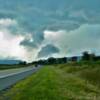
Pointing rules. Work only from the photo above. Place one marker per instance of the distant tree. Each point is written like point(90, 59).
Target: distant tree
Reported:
point(62, 60)
point(92, 57)
point(74, 58)
point(51, 60)
point(85, 56)
point(88, 57)
point(22, 63)
point(59, 60)
point(97, 58)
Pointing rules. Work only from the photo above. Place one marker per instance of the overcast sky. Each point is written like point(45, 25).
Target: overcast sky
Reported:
point(34, 29)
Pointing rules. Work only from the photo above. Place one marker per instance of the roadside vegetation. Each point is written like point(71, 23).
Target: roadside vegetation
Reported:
point(5, 67)
point(90, 71)
point(72, 81)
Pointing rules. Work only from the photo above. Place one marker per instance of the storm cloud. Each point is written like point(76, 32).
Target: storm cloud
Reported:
point(70, 25)
point(47, 51)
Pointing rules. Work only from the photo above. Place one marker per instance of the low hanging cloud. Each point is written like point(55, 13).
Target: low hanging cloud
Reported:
point(33, 40)
point(48, 51)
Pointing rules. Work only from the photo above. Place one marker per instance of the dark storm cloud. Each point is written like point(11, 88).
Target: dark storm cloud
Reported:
point(35, 16)
point(34, 41)
point(28, 43)
point(48, 51)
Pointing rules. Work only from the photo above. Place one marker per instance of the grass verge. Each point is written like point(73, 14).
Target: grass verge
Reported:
point(53, 83)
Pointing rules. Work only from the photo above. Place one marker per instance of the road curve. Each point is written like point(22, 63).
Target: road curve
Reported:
point(11, 76)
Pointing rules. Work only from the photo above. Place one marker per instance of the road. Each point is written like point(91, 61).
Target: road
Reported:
point(11, 76)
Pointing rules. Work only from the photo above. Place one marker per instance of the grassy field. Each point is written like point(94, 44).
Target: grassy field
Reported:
point(58, 82)
point(4, 67)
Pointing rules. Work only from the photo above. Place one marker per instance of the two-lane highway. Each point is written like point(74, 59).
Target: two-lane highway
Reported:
point(11, 76)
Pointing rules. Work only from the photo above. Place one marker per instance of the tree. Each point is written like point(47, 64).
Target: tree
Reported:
point(92, 57)
point(22, 62)
point(85, 56)
point(51, 60)
point(74, 58)
point(88, 57)
point(64, 60)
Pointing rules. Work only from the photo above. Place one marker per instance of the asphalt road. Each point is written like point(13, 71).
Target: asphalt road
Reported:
point(11, 76)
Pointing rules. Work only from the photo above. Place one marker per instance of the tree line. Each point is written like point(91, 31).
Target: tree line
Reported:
point(86, 56)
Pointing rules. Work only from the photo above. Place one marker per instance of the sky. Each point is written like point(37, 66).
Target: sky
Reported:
point(35, 29)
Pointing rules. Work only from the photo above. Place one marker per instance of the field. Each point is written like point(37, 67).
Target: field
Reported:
point(59, 82)
point(4, 67)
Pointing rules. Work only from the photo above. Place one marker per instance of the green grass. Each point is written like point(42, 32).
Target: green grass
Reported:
point(59, 82)
point(89, 72)
point(4, 67)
